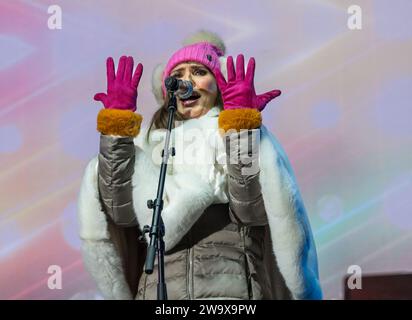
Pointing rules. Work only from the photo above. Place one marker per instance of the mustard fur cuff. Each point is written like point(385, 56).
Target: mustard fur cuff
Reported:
point(117, 122)
point(238, 119)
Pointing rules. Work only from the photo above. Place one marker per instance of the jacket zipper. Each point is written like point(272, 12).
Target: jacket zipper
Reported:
point(190, 274)
point(247, 270)
point(190, 293)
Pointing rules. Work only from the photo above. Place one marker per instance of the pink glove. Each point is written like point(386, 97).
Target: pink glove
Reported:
point(239, 91)
point(122, 88)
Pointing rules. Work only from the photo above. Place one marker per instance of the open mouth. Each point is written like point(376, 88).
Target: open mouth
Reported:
point(190, 100)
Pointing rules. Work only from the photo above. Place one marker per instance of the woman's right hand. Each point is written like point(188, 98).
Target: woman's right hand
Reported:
point(122, 87)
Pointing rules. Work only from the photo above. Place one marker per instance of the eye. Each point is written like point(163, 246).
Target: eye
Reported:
point(200, 72)
point(176, 75)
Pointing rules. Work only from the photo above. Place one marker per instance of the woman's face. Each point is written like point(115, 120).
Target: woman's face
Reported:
point(205, 90)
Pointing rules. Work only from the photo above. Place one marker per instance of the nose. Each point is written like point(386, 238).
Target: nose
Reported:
point(188, 77)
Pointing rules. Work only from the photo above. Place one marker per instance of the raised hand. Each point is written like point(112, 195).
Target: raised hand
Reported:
point(122, 87)
point(238, 92)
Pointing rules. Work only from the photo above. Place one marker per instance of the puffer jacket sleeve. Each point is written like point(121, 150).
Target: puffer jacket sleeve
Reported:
point(112, 251)
point(115, 171)
point(246, 204)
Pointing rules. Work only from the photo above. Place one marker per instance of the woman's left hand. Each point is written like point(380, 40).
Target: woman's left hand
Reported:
point(238, 92)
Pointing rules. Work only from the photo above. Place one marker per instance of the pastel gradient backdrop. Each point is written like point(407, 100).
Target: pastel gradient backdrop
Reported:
point(344, 118)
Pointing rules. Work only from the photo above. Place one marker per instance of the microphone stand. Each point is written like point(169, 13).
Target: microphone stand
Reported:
point(157, 230)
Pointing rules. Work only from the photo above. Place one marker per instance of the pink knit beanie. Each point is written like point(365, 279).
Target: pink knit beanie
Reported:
point(203, 47)
point(203, 52)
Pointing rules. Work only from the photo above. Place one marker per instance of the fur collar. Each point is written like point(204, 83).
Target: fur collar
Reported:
point(196, 176)
point(188, 193)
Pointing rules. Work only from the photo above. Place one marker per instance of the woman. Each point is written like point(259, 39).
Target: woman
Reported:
point(235, 224)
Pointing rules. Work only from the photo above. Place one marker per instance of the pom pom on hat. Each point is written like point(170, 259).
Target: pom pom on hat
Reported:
point(206, 36)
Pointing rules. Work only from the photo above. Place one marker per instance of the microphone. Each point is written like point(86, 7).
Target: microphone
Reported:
point(181, 88)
